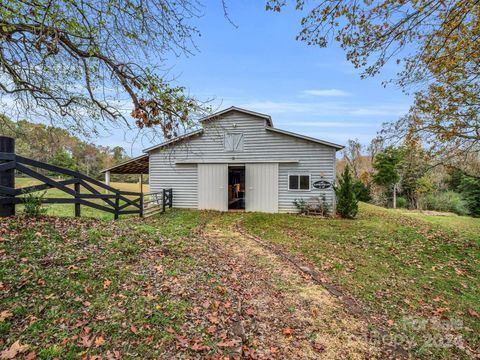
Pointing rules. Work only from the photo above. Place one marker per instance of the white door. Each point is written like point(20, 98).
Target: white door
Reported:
point(261, 183)
point(212, 186)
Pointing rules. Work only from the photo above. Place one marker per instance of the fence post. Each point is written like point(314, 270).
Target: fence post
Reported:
point(141, 204)
point(7, 177)
point(163, 200)
point(117, 205)
point(77, 197)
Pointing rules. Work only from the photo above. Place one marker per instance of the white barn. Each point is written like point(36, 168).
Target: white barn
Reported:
point(239, 160)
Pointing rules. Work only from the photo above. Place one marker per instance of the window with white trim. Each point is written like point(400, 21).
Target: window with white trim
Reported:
point(233, 141)
point(299, 182)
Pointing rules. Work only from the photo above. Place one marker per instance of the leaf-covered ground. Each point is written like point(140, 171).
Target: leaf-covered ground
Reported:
point(418, 275)
point(182, 285)
point(188, 284)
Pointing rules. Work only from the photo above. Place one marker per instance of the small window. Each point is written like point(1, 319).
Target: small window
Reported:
point(233, 142)
point(299, 182)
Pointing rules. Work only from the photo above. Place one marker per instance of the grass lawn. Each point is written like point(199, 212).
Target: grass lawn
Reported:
point(178, 285)
point(399, 264)
point(164, 287)
point(78, 288)
point(68, 209)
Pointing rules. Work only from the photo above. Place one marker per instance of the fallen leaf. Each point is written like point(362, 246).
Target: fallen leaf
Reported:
point(318, 347)
point(440, 311)
point(5, 314)
point(86, 340)
point(250, 311)
point(473, 313)
point(106, 283)
point(198, 347)
point(213, 319)
point(206, 304)
point(182, 341)
point(287, 331)
point(13, 350)
point(31, 355)
point(390, 322)
point(133, 329)
point(99, 341)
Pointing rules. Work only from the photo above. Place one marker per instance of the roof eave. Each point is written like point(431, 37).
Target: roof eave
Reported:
point(172, 141)
point(124, 163)
point(234, 108)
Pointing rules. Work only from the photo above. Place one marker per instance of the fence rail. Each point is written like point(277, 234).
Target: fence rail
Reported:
point(155, 202)
point(116, 202)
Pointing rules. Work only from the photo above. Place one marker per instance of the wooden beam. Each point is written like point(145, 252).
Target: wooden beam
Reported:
point(45, 179)
point(33, 188)
point(7, 173)
point(7, 166)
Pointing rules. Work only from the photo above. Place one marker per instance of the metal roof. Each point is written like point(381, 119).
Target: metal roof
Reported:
point(174, 140)
point(140, 164)
point(137, 165)
point(234, 108)
point(308, 138)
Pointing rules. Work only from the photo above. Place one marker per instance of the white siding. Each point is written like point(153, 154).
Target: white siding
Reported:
point(258, 144)
point(261, 184)
point(212, 186)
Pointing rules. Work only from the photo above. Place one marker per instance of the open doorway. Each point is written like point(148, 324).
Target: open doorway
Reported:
point(236, 187)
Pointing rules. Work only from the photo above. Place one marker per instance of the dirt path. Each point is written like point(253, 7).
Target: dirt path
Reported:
point(281, 311)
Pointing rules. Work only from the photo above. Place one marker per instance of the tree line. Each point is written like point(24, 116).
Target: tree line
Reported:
point(59, 147)
point(405, 176)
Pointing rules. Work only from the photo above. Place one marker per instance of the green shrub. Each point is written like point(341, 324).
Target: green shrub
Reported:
point(402, 202)
point(347, 203)
point(33, 205)
point(470, 188)
point(445, 201)
point(362, 191)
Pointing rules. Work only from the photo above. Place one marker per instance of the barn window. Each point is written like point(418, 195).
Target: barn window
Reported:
point(233, 142)
point(298, 182)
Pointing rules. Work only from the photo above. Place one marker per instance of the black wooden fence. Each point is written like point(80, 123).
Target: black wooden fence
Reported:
point(116, 202)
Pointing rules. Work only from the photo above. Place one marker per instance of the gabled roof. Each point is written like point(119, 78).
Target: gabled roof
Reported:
point(174, 140)
point(234, 108)
point(308, 138)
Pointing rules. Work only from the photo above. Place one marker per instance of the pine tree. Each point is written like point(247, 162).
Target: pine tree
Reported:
point(347, 203)
point(470, 189)
point(386, 165)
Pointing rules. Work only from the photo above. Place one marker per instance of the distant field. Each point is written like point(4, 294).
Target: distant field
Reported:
point(68, 209)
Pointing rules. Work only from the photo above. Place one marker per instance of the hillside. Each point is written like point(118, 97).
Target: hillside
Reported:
point(60, 147)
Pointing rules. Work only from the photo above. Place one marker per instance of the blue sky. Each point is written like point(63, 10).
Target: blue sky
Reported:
point(260, 66)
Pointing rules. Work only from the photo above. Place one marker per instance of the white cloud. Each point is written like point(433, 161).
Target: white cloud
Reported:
point(394, 109)
point(331, 108)
point(326, 92)
point(330, 124)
